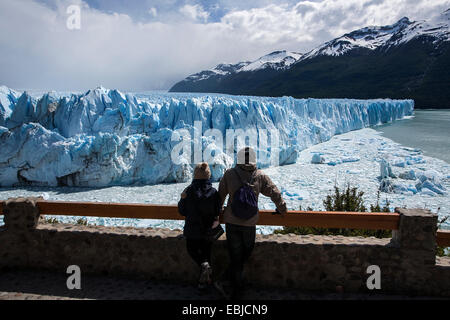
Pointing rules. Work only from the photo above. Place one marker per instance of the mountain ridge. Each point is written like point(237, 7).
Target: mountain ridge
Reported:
point(413, 53)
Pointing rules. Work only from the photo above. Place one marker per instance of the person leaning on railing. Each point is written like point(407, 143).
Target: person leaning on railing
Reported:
point(200, 204)
point(243, 184)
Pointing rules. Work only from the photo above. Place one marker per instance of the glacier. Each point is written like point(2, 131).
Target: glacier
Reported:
point(8, 98)
point(303, 184)
point(108, 138)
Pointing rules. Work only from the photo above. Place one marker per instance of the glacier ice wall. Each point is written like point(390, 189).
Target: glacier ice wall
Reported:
point(8, 99)
point(104, 137)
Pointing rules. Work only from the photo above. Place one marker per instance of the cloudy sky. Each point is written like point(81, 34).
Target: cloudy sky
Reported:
point(136, 45)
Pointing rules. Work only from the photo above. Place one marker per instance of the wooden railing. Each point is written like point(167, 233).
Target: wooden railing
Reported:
point(321, 219)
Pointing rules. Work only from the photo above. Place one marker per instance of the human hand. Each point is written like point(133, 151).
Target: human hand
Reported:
point(277, 212)
point(215, 224)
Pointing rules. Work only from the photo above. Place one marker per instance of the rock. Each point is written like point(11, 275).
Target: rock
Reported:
point(21, 213)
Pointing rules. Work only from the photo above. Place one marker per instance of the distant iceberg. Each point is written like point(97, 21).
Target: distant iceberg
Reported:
point(105, 137)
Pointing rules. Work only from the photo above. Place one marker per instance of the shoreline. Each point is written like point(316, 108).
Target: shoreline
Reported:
point(426, 130)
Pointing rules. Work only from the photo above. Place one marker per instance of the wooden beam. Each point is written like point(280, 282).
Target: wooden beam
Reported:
point(443, 238)
point(109, 210)
point(353, 220)
point(317, 219)
point(349, 220)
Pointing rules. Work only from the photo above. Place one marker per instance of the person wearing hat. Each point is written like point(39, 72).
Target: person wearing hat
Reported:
point(242, 185)
point(200, 205)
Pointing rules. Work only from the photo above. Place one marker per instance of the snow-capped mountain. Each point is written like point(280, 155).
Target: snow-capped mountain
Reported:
point(220, 70)
point(368, 38)
point(387, 36)
point(278, 60)
point(408, 59)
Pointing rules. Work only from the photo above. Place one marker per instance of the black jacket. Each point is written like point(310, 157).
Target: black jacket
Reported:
point(201, 207)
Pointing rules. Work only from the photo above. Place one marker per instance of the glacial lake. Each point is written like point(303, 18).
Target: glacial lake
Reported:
point(428, 130)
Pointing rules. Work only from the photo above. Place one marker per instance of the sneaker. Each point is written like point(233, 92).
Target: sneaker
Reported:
point(205, 275)
point(223, 288)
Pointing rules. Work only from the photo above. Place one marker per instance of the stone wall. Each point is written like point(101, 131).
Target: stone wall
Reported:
point(407, 262)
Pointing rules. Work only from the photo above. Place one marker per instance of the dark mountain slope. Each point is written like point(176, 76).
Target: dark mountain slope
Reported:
point(415, 70)
point(406, 60)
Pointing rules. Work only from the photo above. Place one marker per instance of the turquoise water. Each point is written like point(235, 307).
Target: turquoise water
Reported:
point(428, 130)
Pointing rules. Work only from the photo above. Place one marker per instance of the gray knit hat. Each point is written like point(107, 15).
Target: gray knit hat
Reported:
point(202, 171)
point(246, 156)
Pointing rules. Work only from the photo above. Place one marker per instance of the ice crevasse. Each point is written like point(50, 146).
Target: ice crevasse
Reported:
point(104, 137)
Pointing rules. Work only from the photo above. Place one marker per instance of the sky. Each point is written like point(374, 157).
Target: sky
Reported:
point(139, 45)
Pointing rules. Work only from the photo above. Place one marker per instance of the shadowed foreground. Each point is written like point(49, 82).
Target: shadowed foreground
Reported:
point(307, 263)
point(44, 285)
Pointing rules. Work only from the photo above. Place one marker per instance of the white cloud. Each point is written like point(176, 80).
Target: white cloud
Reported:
point(307, 24)
point(38, 51)
point(194, 12)
point(153, 12)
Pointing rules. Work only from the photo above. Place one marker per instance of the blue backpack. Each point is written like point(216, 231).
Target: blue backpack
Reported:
point(245, 203)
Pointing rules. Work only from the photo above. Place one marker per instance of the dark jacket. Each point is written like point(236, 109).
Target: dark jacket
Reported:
point(200, 207)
